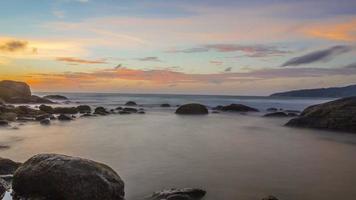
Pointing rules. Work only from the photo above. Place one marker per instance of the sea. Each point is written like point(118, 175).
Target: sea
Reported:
point(232, 156)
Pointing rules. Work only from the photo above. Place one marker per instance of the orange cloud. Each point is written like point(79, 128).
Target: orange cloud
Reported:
point(345, 31)
point(80, 61)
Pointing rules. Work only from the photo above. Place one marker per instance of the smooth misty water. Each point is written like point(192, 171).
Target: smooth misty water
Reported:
point(232, 156)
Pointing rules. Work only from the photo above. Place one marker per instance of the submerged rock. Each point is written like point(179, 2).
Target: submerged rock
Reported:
point(63, 117)
point(4, 123)
point(130, 103)
point(46, 109)
point(84, 109)
point(58, 177)
point(8, 166)
point(165, 105)
point(238, 108)
point(45, 122)
point(272, 109)
point(337, 115)
point(178, 194)
point(100, 111)
point(130, 110)
point(276, 114)
point(55, 97)
point(65, 110)
point(270, 198)
point(2, 191)
point(192, 109)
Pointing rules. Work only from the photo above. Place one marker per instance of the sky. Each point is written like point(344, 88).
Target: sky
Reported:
point(229, 47)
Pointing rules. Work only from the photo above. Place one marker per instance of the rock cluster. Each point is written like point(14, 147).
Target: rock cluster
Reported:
point(192, 109)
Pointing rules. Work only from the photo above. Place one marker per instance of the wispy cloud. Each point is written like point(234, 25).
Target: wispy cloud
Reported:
point(228, 69)
point(13, 45)
point(151, 59)
point(248, 50)
point(216, 62)
point(317, 56)
point(80, 61)
point(344, 31)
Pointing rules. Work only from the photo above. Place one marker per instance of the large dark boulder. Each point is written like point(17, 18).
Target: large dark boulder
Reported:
point(84, 109)
point(192, 109)
point(130, 110)
point(13, 89)
point(46, 109)
point(63, 117)
point(334, 115)
point(3, 123)
point(59, 177)
point(101, 111)
point(55, 97)
point(65, 110)
point(165, 105)
point(238, 108)
point(130, 103)
point(8, 166)
point(178, 194)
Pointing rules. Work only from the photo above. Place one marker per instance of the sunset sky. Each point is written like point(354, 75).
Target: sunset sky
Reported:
point(178, 46)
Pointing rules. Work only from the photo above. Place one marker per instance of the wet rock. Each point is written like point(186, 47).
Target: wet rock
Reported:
point(238, 108)
point(58, 177)
point(276, 114)
point(55, 97)
point(84, 109)
point(130, 103)
point(45, 122)
point(63, 117)
point(46, 109)
point(165, 105)
point(87, 115)
point(192, 109)
point(292, 114)
point(25, 119)
point(178, 194)
point(65, 110)
point(8, 166)
point(2, 190)
point(219, 107)
point(141, 112)
point(101, 111)
point(42, 117)
point(8, 116)
point(130, 110)
point(13, 89)
point(270, 198)
point(337, 115)
point(119, 108)
point(272, 109)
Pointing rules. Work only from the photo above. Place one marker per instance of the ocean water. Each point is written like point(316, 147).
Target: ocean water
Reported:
point(232, 156)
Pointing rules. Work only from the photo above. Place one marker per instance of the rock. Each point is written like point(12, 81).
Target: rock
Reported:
point(119, 108)
point(293, 111)
point(25, 119)
point(13, 89)
point(292, 114)
point(238, 108)
point(42, 117)
point(84, 109)
point(8, 166)
point(178, 194)
point(124, 112)
point(65, 110)
point(276, 114)
point(141, 112)
point(215, 112)
point(219, 107)
point(87, 115)
point(130, 103)
point(8, 116)
point(46, 109)
point(100, 111)
point(165, 105)
point(57, 177)
point(192, 109)
point(45, 122)
point(55, 97)
point(63, 117)
point(272, 109)
point(2, 102)
point(337, 115)
point(2, 191)
point(130, 110)
point(270, 198)
point(25, 111)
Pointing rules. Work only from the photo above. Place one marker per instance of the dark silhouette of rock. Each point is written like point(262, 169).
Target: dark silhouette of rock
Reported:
point(46, 109)
point(87, 115)
point(276, 114)
point(178, 194)
point(192, 109)
point(45, 122)
point(65, 110)
point(42, 117)
point(119, 108)
point(59, 177)
point(141, 112)
point(84, 109)
point(219, 107)
point(101, 111)
point(63, 117)
point(334, 115)
point(130, 103)
point(55, 97)
point(165, 105)
point(238, 108)
point(8, 166)
point(130, 110)
point(272, 109)
point(2, 191)
point(270, 198)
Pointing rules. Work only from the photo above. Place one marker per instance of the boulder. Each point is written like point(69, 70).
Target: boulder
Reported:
point(42, 117)
point(101, 111)
point(58, 177)
point(8, 116)
point(141, 112)
point(130, 110)
point(45, 122)
point(8, 166)
point(2, 190)
point(337, 115)
point(84, 109)
point(276, 114)
point(46, 109)
point(130, 103)
point(165, 105)
point(55, 97)
point(192, 109)
point(178, 194)
point(119, 108)
point(25, 111)
point(63, 117)
point(65, 110)
point(272, 109)
point(31, 100)
point(13, 89)
point(238, 108)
